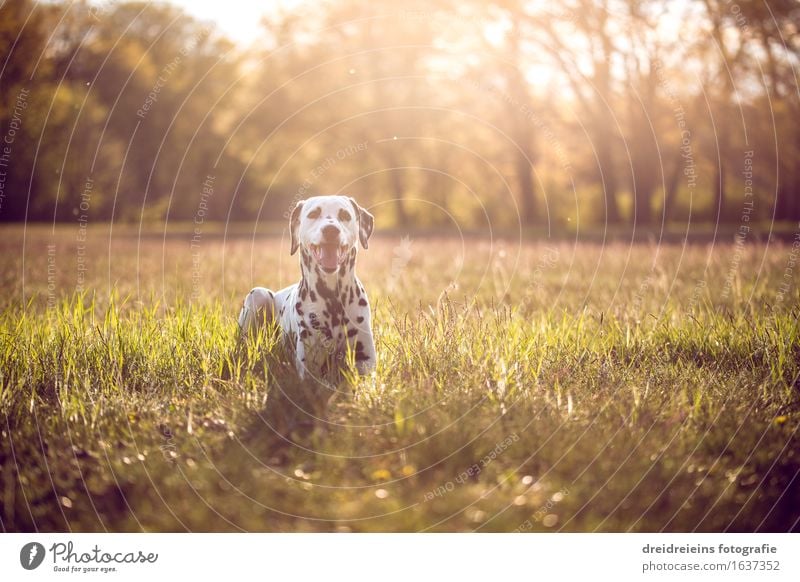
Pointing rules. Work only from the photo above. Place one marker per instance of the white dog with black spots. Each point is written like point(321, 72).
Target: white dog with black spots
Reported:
point(327, 312)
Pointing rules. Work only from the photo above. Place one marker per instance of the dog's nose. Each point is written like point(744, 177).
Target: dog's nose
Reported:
point(330, 233)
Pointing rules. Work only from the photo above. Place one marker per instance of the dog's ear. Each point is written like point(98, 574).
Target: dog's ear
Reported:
point(366, 222)
point(294, 226)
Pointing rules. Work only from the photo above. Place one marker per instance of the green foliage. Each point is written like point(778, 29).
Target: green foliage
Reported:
point(470, 113)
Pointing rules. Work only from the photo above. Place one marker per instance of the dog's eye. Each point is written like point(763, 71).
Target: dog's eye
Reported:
point(344, 216)
point(315, 213)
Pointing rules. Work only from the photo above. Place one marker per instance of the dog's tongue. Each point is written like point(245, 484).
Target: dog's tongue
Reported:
point(329, 257)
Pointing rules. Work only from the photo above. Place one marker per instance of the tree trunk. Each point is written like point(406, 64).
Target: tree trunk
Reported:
point(719, 190)
point(794, 188)
point(609, 206)
point(522, 128)
point(671, 190)
point(398, 188)
point(642, 195)
point(527, 193)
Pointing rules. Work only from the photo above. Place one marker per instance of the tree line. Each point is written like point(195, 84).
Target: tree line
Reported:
point(502, 112)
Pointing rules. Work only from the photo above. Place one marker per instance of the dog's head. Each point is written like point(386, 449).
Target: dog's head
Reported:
point(329, 228)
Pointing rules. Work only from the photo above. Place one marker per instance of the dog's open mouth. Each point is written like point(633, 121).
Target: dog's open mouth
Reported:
point(329, 256)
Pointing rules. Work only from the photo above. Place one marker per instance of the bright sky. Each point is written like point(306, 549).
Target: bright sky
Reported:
point(238, 19)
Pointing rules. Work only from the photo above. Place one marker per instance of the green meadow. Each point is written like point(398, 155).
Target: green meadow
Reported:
point(521, 386)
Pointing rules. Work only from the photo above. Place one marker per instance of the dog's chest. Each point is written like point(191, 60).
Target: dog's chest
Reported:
point(316, 314)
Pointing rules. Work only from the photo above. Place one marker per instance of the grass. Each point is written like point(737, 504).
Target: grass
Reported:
point(520, 387)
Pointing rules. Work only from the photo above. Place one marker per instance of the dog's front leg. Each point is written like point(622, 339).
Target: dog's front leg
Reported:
point(300, 358)
point(364, 348)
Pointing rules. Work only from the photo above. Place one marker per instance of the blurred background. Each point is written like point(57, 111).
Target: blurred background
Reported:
point(501, 114)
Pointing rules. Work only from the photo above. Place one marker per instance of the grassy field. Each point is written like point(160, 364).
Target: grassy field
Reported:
point(520, 387)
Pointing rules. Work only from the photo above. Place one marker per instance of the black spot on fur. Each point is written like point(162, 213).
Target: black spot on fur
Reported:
point(304, 334)
point(360, 355)
point(324, 291)
point(334, 305)
point(331, 321)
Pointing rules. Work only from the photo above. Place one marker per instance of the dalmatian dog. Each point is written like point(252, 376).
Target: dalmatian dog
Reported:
point(327, 312)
